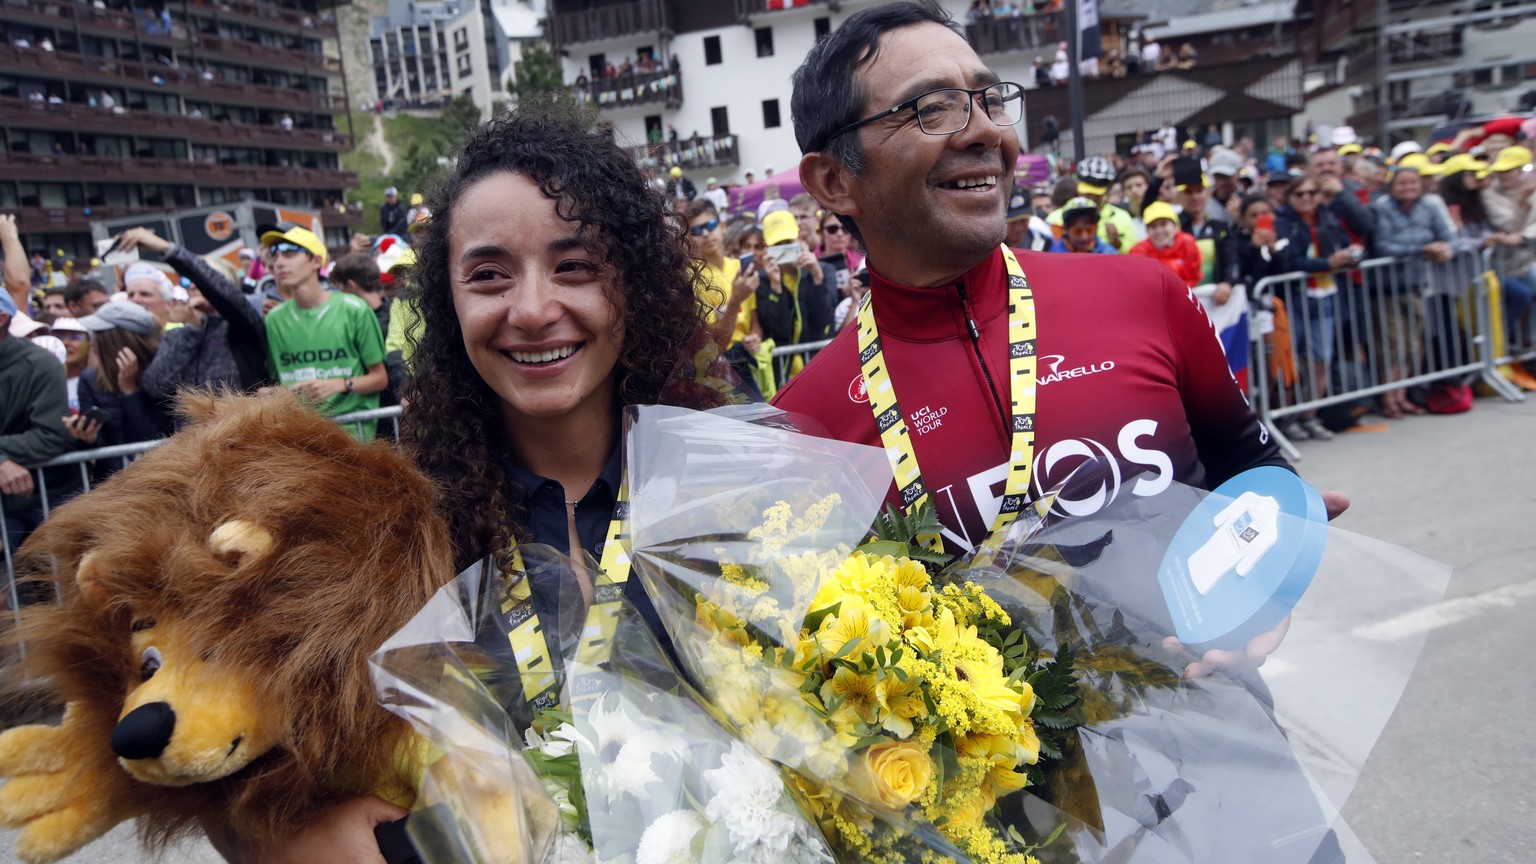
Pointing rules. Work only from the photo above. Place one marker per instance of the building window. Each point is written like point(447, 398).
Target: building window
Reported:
point(711, 50)
point(720, 119)
point(461, 39)
point(764, 41)
point(823, 27)
point(770, 113)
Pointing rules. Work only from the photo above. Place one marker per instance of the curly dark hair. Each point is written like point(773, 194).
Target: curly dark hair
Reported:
point(452, 421)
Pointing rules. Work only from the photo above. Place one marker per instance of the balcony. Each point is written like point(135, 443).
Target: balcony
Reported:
point(68, 220)
point(609, 22)
point(262, 55)
point(106, 169)
point(113, 71)
point(87, 18)
point(637, 88)
point(1007, 35)
point(20, 113)
point(265, 15)
point(748, 9)
point(690, 153)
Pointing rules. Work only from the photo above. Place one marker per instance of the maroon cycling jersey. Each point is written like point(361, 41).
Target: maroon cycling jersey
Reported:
point(1129, 373)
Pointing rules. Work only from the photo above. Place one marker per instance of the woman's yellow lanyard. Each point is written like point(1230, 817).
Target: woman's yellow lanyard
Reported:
point(526, 632)
point(1021, 373)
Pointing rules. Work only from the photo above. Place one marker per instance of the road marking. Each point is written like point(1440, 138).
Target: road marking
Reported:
point(1445, 612)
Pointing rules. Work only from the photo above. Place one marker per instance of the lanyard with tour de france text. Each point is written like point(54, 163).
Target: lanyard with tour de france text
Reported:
point(1021, 373)
point(526, 631)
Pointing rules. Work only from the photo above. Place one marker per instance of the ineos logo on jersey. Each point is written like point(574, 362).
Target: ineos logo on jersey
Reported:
point(858, 390)
point(1081, 495)
point(1057, 373)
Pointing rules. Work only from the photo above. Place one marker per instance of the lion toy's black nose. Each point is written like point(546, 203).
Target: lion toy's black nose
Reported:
point(145, 732)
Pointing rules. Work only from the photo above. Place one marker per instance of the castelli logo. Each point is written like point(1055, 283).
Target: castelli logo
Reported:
point(858, 391)
point(219, 225)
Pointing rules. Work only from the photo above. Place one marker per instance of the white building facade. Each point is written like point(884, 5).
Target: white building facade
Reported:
point(728, 88)
point(425, 53)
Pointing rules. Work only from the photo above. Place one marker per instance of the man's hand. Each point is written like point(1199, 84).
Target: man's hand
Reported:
point(808, 264)
point(268, 304)
point(320, 389)
point(1330, 187)
point(82, 428)
point(775, 275)
point(8, 231)
point(1222, 294)
point(1250, 658)
point(360, 243)
point(1438, 251)
point(15, 480)
point(1264, 238)
point(1340, 259)
point(342, 834)
point(1165, 167)
point(143, 238)
point(752, 342)
point(1112, 234)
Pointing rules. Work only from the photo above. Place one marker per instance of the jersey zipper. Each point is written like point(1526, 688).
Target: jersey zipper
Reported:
point(975, 332)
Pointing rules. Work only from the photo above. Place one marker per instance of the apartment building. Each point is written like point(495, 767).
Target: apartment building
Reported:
point(426, 53)
point(113, 108)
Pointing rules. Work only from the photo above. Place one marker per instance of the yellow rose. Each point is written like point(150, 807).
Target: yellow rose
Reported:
point(895, 774)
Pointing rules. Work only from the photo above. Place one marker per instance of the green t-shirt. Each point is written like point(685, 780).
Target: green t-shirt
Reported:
point(340, 338)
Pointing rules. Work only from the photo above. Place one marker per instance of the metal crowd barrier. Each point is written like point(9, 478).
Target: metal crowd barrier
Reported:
point(784, 357)
point(1393, 323)
point(83, 459)
point(1515, 269)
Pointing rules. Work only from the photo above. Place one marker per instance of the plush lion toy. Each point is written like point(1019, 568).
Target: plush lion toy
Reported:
point(218, 600)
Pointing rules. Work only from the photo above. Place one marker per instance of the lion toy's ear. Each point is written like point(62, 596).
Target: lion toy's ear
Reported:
point(238, 541)
point(89, 576)
point(196, 406)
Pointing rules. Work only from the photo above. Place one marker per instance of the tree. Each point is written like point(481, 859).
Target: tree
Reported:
point(535, 75)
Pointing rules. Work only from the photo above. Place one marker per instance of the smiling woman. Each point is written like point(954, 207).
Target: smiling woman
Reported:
point(554, 288)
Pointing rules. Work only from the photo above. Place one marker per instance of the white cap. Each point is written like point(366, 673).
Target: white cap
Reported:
point(142, 270)
point(23, 326)
point(1405, 148)
point(1343, 135)
point(70, 324)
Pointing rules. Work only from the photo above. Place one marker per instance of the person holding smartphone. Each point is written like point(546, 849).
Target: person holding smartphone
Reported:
point(115, 408)
point(795, 301)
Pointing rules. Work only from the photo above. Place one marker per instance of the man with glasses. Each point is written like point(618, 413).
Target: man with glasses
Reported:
point(725, 287)
point(910, 139)
point(323, 345)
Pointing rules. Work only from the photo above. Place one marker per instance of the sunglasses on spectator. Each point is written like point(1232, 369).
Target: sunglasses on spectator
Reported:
point(285, 248)
point(1304, 193)
point(701, 230)
point(831, 228)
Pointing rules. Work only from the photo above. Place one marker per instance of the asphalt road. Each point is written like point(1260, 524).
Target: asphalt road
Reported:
point(1452, 773)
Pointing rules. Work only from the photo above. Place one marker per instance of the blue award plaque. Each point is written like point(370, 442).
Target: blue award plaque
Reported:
point(1243, 557)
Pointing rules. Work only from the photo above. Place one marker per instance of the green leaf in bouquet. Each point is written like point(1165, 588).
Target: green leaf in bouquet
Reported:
point(814, 620)
point(904, 530)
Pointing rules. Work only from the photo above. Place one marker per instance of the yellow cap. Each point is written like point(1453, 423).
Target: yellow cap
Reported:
point(676, 171)
point(1462, 162)
point(1159, 210)
point(1510, 159)
point(1438, 147)
point(1418, 162)
point(780, 227)
point(1350, 149)
point(301, 237)
point(416, 199)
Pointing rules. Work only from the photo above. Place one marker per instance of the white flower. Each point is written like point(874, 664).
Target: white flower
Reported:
point(625, 745)
point(669, 840)
point(569, 848)
point(560, 741)
point(748, 801)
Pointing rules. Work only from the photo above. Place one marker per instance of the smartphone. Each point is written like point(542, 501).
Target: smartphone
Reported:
point(97, 413)
point(1265, 222)
point(748, 260)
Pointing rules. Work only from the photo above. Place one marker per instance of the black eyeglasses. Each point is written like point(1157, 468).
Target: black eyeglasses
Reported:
point(700, 230)
point(948, 110)
point(1304, 193)
point(833, 228)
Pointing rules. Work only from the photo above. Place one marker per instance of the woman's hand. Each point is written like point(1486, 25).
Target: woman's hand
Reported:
point(127, 371)
point(82, 428)
point(1264, 238)
point(808, 264)
point(744, 284)
point(143, 238)
point(1340, 259)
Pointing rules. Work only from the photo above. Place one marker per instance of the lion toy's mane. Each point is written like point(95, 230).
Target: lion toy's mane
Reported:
point(358, 549)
